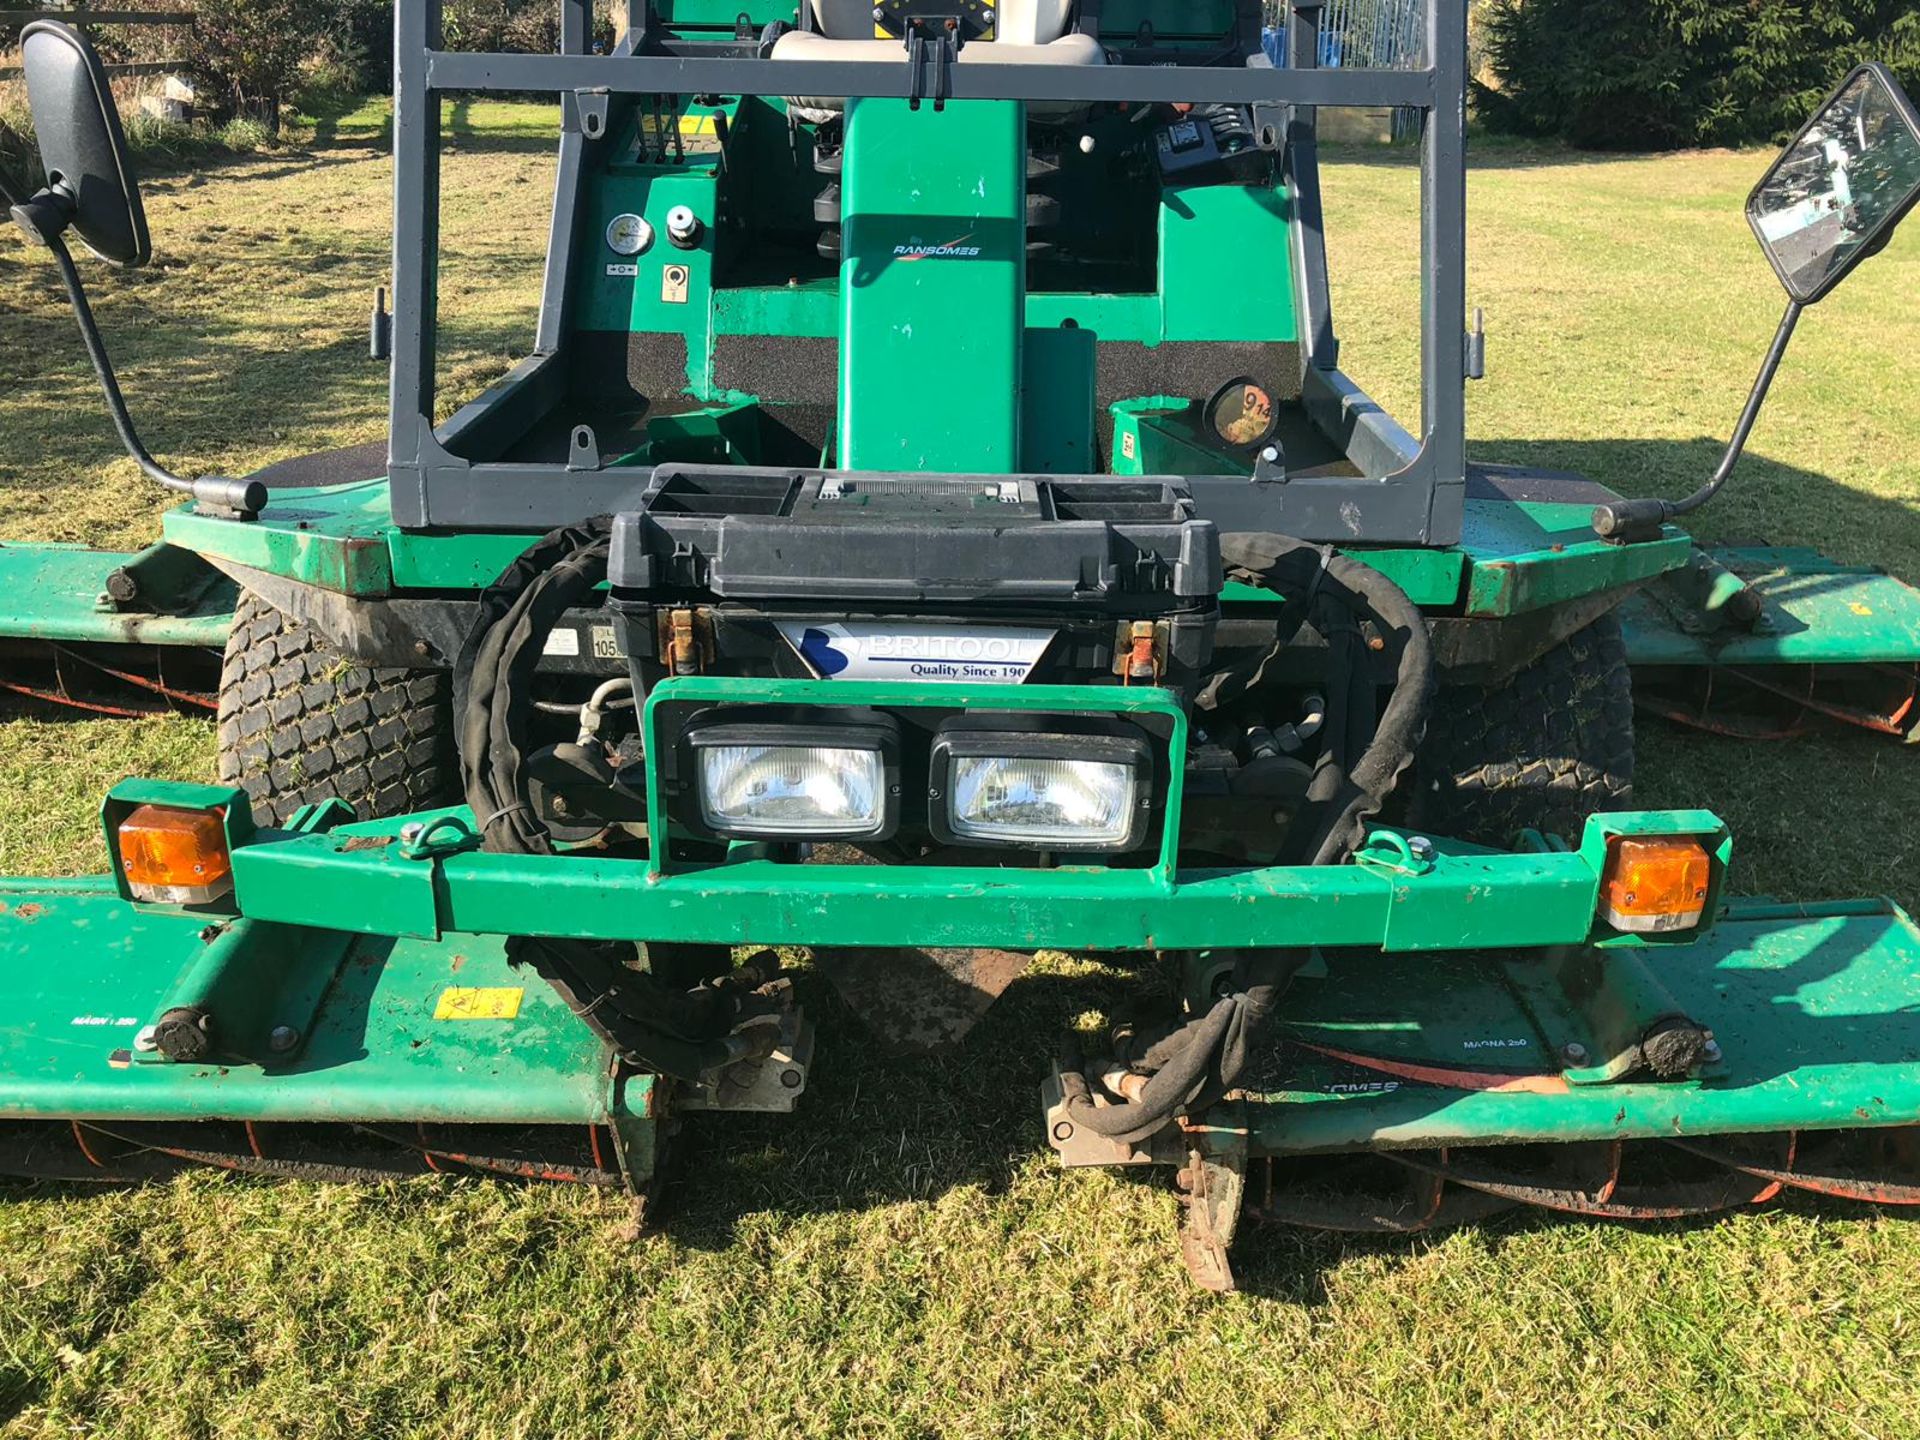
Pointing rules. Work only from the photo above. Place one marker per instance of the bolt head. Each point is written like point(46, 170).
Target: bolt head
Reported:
point(283, 1038)
point(1421, 847)
point(1710, 1052)
point(1574, 1053)
point(791, 1079)
point(1271, 454)
point(1063, 1130)
point(412, 832)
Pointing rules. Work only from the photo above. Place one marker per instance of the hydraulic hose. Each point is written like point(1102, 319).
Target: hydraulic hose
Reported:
point(1189, 1066)
point(685, 1034)
point(1292, 567)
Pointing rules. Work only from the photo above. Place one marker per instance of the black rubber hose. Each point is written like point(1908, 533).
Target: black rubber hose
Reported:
point(1196, 1063)
point(685, 1034)
point(1278, 562)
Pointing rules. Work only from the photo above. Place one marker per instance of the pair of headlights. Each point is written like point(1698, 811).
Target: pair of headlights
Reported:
point(1038, 791)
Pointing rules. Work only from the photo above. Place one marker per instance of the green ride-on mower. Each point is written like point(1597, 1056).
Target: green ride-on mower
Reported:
point(933, 527)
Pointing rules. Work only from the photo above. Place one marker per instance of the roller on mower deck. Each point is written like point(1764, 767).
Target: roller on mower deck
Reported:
point(933, 527)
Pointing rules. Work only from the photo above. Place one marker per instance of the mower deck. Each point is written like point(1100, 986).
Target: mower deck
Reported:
point(1761, 641)
point(111, 632)
point(1812, 1009)
point(383, 1035)
point(59, 592)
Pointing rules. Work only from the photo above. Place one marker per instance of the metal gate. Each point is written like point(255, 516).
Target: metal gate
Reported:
point(1361, 34)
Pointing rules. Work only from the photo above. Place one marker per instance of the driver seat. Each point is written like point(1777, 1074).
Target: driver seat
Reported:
point(1026, 32)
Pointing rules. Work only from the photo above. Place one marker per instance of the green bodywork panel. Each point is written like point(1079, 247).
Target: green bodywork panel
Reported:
point(931, 286)
point(1202, 296)
point(1816, 1011)
point(58, 592)
point(1813, 611)
point(1514, 556)
point(1818, 611)
point(335, 537)
point(86, 970)
point(1528, 556)
point(720, 14)
point(1505, 564)
point(1192, 297)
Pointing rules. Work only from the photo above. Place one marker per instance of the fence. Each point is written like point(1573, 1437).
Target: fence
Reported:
point(1368, 34)
point(79, 16)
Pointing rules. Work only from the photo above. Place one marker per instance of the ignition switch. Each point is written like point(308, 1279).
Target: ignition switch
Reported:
point(683, 227)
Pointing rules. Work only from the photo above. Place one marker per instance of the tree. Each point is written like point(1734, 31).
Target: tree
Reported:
point(1660, 74)
point(249, 51)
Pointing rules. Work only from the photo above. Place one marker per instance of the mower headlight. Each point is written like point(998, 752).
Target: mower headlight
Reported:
point(813, 783)
point(1045, 792)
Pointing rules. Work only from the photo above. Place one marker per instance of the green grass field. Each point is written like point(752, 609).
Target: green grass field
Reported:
point(902, 1259)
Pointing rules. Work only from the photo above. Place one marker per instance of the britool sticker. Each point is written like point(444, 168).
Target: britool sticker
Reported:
point(873, 650)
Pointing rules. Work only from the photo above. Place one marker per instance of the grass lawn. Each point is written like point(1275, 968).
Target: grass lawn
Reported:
point(902, 1258)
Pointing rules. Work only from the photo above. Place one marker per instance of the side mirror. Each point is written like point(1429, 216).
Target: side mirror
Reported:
point(1832, 199)
point(90, 184)
point(91, 190)
point(1841, 186)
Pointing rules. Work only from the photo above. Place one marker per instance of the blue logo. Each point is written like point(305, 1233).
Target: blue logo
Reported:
point(816, 648)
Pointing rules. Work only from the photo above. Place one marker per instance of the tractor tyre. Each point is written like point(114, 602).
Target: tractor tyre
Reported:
point(1543, 751)
point(300, 722)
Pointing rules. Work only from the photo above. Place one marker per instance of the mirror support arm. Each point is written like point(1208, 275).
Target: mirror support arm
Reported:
point(244, 497)
point(1628, 520)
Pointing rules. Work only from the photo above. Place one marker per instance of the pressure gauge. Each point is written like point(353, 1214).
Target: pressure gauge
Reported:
point(628, 235)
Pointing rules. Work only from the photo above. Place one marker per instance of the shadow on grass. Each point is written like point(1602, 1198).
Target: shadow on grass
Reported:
point(1767, 501)
point(229, 383)
point(873, 1132)
point(876, 1129)
point(1500, 152)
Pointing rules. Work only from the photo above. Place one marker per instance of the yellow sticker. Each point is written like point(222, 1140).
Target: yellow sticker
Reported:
point(473, 1002)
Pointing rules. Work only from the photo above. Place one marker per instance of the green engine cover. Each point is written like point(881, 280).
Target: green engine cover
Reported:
point(932, 286)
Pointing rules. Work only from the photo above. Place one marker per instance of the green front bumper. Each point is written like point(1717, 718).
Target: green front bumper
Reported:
point(1449, 896)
